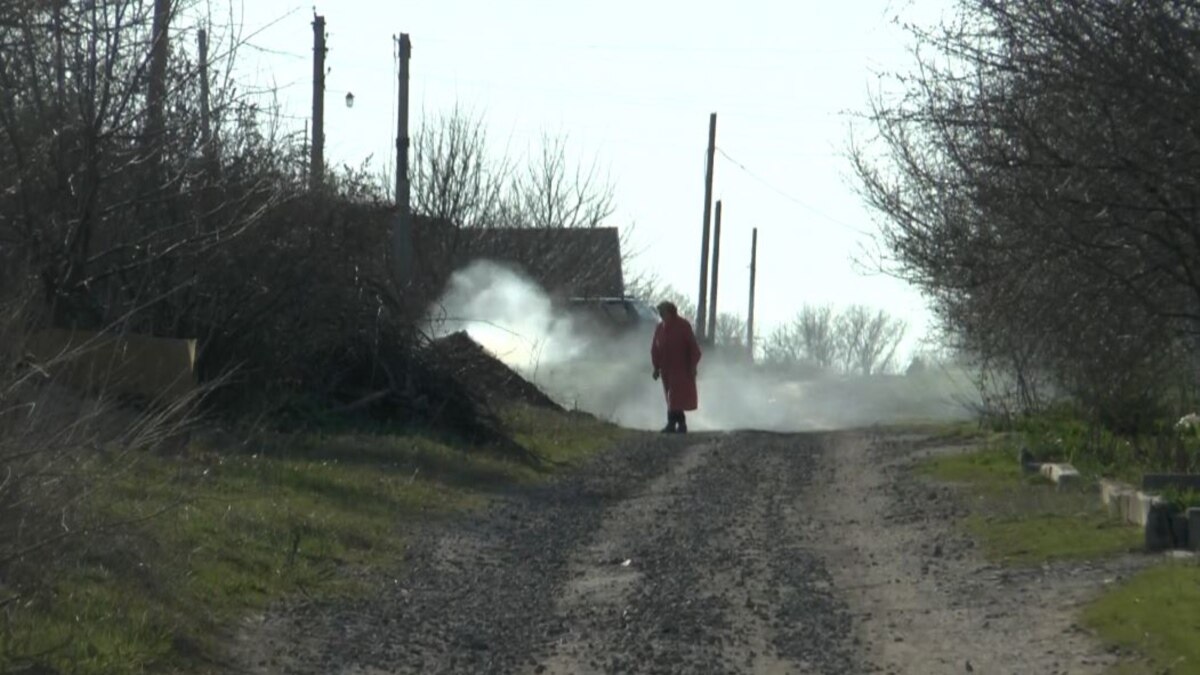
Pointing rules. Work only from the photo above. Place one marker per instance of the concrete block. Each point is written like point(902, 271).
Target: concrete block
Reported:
point(1110, 496)
point(1157, 482)
point(1127, 506)
point(1158, 528)
point(1179, 530)
point(1027, 462)
point(1063, 475)
point(126, 364)
point(1193, 519)
point(1143, 504)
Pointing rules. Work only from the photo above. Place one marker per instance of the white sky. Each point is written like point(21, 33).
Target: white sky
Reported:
point(632, 83)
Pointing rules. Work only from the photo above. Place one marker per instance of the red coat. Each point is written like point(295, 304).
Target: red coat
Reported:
point(675, 354)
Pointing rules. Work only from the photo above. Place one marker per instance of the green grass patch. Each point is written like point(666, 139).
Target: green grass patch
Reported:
point(1030, 539)
point(1022, 519)
point(221, 531)
point(992, 468)
point(1156, 615)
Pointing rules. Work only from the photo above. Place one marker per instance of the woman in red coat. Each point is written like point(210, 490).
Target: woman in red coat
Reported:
point(675, 355)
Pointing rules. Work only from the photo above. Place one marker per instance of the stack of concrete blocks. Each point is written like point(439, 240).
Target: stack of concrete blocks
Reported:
point(1164, 528)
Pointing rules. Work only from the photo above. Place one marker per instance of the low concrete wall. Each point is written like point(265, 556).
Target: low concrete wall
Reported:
point(156, 368)
point(1193, 521)
point(1156, 482)
point(1163, 527)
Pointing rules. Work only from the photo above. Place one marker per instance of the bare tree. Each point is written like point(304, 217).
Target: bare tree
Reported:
point(731, 331)
point(856, 341)
point(783, 348)
point(651, 290)
point(868, 340)
point(456, 175)
point(552, 193)
point(1037, 178)
point(810, 340)
point(458, 178)
point(816, 329)
point(111, 220)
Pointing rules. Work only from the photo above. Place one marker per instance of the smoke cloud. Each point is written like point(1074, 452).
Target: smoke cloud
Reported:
point(608, 375)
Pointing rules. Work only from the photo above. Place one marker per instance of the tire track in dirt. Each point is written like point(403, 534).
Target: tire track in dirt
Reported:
point(924, 600)
point(719, 580)
point(724, 576)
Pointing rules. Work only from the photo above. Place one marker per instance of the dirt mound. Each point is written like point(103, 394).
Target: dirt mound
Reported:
point(483, 374)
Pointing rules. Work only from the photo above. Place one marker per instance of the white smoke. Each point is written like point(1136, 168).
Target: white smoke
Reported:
point(610, 376)
point(508, 314)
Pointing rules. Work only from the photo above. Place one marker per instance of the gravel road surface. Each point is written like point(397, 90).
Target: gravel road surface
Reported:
point(722, 553)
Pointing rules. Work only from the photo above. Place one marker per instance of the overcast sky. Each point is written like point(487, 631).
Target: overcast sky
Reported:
point(631, 84)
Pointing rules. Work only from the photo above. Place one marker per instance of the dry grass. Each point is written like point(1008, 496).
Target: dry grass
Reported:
point(235, 521)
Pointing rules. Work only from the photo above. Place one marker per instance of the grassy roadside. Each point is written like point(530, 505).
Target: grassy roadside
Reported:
point(1153, 617)
point(221, 531)
point(1022, 519)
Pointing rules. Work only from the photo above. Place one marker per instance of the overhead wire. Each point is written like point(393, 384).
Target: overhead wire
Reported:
point(788, 196)
point(560, 91)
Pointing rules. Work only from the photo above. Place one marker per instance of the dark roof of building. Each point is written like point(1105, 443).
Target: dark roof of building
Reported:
point(577, 262)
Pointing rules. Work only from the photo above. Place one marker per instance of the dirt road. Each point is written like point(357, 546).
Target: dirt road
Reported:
point(731, 553)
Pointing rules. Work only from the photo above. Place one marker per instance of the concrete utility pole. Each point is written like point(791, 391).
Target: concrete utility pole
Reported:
point(205, 105)
point(716, 273)
point(304, 169)
point(316, 162)
point(402, 232)
point(750, 311)
point(702, 304)
point(156, 94)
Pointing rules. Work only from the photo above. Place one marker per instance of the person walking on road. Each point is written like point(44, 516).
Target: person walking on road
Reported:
point(675, 355)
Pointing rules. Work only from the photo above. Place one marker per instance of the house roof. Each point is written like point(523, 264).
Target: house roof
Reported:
point(577, 262)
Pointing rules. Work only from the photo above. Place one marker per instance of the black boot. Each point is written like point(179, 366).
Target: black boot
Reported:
point(680, 423)
point(671, 424)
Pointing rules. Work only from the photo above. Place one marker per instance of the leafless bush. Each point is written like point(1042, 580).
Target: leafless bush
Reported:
point(60, 447)
point(456, 176)
point(1037, 174)
point(553, 193)
point(651, 289)
point(131, 203)
point(460, 179)
point(869, 340)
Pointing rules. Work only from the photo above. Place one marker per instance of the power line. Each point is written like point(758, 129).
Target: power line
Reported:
point(790, 197)
point(663, 48)
point(276, 52)
point(243, 40)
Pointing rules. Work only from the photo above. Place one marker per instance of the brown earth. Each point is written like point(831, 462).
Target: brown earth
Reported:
point(463, 359)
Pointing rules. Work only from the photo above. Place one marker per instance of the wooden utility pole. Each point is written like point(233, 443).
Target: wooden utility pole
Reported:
point(750, 311)
point(402, 232)
point(702, 304)
point(156, 93)
point(716, 273)
point(316, 162)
